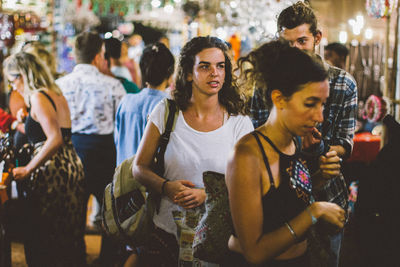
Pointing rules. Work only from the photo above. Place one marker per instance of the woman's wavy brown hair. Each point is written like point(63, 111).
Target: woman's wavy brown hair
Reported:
point(228, 96)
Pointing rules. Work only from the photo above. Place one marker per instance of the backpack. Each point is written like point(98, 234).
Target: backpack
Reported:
point(128, 207)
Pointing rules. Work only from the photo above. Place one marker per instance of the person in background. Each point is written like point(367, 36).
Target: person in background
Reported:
point(113, 67)
point(157, 67)
point(131, 64)
point(113, 52)
point(136, 46)
point(38, 49)
point(164, 40)
point(16, 102)
point(93, 99)
point(56, 212)
point(268, 181)
point(298, 25)
point(208, 125)
point(336, 54)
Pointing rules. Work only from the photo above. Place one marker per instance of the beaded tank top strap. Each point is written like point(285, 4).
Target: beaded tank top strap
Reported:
point(271, 179)
point(49, 98)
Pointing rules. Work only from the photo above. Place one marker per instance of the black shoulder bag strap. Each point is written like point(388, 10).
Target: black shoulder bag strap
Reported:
point(158, 166)
point(158, 163)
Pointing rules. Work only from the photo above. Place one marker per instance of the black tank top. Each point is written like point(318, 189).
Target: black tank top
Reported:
point(283, 203)
point(35, 132)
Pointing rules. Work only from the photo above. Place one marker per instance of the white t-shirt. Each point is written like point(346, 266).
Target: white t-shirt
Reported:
point(189, 153)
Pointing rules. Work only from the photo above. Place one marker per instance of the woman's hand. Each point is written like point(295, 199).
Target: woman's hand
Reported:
point(314, 137)
point(21, 115)
point(21, 173)
point(173, 188)
point(330, 164)
point(190, 198)
point(329, 212)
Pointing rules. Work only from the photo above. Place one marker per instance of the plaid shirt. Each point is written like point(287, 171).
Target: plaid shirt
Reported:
point(337, 129)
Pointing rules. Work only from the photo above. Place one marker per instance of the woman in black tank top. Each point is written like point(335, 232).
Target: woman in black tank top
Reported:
point(55, 214)
point(268, 181)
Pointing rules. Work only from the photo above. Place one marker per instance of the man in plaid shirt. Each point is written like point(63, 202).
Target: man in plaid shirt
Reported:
point(298, 25)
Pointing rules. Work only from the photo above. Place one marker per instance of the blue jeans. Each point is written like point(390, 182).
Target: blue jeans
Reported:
point(336, 241)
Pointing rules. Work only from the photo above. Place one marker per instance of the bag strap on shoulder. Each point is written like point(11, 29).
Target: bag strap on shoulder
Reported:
point(164, 139)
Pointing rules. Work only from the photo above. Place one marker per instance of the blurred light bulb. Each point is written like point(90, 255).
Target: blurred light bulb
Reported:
point(356, 30)
point(343, 37)
point(169, 8)
point(155, 3)
point(360, 21)
point(368, 34)
point(233, 4)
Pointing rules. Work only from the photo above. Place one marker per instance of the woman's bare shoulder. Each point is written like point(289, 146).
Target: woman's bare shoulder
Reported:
point(246, 146)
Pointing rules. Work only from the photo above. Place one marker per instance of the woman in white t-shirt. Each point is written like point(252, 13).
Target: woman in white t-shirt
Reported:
point(207, 127)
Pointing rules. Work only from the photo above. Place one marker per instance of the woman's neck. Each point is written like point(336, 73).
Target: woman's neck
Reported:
point(204, 106)
point(278, 133)
point(160, 87)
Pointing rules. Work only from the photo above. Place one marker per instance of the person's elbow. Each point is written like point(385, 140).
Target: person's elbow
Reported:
point(137, 170)
point(253, 257)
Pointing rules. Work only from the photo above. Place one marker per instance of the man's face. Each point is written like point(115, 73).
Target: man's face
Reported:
point(99, 61)
point(333, 58)
point(301, 37)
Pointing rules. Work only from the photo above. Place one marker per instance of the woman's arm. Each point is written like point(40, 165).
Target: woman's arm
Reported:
point(141, 167)
point(46, 115)
point(245, 196)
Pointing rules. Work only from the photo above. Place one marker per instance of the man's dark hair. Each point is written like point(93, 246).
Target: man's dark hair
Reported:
point(87, 46)
point(339, 48)
point(295, 15)
point(113, 48)
point(156, 64)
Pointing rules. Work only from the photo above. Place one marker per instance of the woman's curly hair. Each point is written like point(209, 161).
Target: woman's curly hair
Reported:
point(228, 96)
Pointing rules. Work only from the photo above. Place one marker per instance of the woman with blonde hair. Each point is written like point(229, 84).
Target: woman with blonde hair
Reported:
point(55, 172)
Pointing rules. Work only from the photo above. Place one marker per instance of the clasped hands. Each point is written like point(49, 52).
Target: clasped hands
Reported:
point(183, 193)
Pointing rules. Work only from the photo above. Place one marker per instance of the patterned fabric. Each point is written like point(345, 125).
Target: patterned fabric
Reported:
point(340, 114)
point(92, 98)
point(337, 129)
point(300, 179)
point(56, 210)
point(215, 227)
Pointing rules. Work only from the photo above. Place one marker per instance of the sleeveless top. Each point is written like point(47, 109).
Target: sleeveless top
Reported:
point(283, 203)
point(34, 130)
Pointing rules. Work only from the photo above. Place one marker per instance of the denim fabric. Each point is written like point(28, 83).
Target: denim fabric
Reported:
point(131, 120)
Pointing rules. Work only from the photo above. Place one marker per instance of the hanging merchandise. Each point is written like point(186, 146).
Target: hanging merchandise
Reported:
point(376, 108)
point(254, 18)
point(6, 31)
point(380, 8)
point(80, 15)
